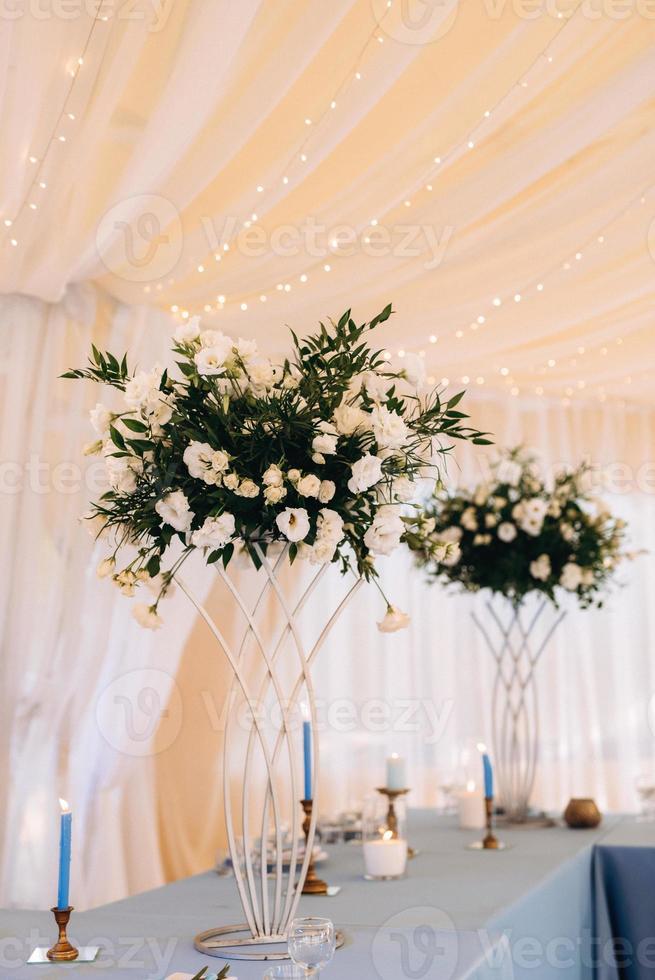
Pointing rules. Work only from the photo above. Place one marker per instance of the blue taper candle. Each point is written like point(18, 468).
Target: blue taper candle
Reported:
point(488, 775)
point(307, 751)
point(65, 829)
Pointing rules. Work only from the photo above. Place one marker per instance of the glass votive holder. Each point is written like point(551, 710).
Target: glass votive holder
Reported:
point(285, 971)
point(384, 834)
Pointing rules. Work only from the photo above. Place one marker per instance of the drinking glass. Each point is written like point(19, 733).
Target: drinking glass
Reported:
point(285, 971)
point(311, 943)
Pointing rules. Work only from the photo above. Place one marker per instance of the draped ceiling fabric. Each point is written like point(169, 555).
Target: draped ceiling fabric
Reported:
point(268, 164)
point(190, 118)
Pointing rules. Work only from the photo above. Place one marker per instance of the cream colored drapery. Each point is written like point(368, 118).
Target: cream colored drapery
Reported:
point(486, 167)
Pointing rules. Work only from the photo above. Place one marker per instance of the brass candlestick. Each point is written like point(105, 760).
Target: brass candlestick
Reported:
point(313, 884)
point(62, 951)
point(392, 820)
point(489, 842)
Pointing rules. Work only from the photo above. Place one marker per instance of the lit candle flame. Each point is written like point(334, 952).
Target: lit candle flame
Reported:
point(64, 805)
point(482, 747)
point(387, 835)
point(470, 786)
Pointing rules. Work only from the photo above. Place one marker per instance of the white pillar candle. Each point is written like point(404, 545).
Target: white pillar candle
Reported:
point(385, 858)
point(396, 776)
point(470, 803)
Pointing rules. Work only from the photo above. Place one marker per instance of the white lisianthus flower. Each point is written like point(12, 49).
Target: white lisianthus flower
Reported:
point(157, 409)
point(147, 616)
point(326, 491)
point(273, 477)
point(403, 489)
point(216, 338)
point(366, 472)
point(349, 418)
point(215, 532)
point(451, 552)
point(106, 568)
point(376, 385)
point(469, 519)
point(309, 486)
point(384, 534)
point(209, 361)
point(101, 419)
point(174, 510)
point(509, 471)
point(293, 522)
point(395, 619)
point(188, 331)
point(122, 472)
point(329, 524)
point(571, 577)
point(389, 428)
point(156, 584)
point(141, 387)
point(247, 488)
point(506, 532)
point(262, 376)
point(274, 494)
point(541, 568)
point(246, 348)
point(205, 463)
point(413, 369)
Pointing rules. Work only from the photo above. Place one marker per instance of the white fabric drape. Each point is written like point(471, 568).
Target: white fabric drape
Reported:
point(275, 130)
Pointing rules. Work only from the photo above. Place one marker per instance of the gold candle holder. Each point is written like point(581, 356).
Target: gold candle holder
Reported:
point(489, 842)
point(392, 820)
point(313, 884)
point(62, 951)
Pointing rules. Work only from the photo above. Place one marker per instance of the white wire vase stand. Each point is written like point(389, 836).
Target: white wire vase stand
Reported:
point(516, 637)
point(278, 622)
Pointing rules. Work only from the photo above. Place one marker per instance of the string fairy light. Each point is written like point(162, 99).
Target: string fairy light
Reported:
point(437, 165)
point(39, 162)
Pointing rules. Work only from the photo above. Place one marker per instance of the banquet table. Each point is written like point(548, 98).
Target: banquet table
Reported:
point(528, 911)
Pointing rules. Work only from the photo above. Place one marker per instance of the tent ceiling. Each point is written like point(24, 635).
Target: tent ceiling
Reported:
point(522, 260)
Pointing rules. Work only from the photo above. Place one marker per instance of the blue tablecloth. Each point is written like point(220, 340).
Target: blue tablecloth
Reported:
point(624, 912)
point(527, 912)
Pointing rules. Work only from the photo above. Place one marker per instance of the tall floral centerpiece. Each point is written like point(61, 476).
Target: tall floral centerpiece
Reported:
point(306, 461)
point(518, 536)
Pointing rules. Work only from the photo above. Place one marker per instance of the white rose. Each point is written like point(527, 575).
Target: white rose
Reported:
point(205, 463)
point(147, 616)
point(541, 568)
point(231, 481)
point(293, 476)
point(389, 428)
point(247, 488)
point(273, 495)
point(571, 576)
point(293, 522)
point(395, 619)
point(174, 510)
point(384, 534)
point(326, 491)
point(329, 524)
point(308, 486)
point(101, 419)
point(349, 418)
point(188, 331)
point(506, 532)
point(325, 444)
point(366, 472)
point(273, 477)
point(215, 532)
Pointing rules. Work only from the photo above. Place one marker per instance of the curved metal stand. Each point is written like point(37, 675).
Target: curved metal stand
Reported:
point(271, 675)
point(515, 707)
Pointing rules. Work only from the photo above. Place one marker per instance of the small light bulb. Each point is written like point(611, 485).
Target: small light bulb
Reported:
point(244, 306)
point(327, 267)
point(303, 278)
